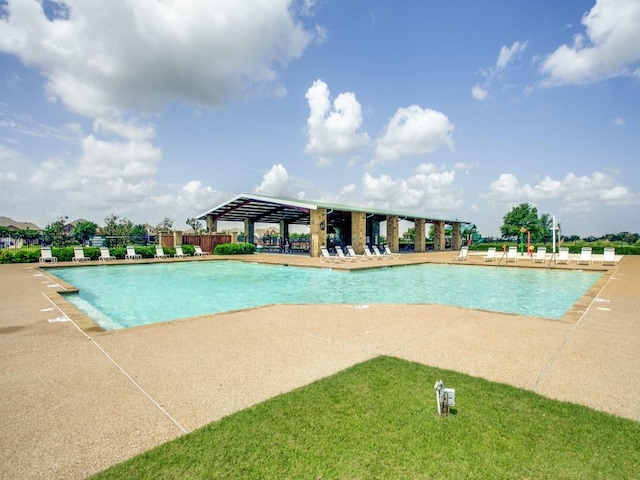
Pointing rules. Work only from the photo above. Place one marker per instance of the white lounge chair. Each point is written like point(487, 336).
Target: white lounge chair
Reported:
point(563, 255)
point(131, 254)
point(179, 253)
point(463, 254)
point(369, 255)
point(388, 253)
point(541, 255)
point(160, 252)
point(78, 255)
point(46, 256)
point(609, 256)
point(352, 253)
point(377, 253)
point(585, 256)
point(491, 255)
point(105, 255)
point(199, 252)
point(512, 254)
point(326, 257)
point(341, 256)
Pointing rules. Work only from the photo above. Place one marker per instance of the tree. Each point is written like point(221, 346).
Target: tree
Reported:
point(165, 226)
point(83, 230)
point(139, 230)
point(522, 216)
point(55, 232)
point(116, 226)
point(195, 224)
point(546, 228)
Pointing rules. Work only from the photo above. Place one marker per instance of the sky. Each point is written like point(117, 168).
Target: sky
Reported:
point(153, 109)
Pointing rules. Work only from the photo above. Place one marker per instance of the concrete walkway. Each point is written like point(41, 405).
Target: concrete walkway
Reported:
point(75, 400)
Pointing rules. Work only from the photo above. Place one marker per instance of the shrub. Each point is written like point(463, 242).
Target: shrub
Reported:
point(234, 249)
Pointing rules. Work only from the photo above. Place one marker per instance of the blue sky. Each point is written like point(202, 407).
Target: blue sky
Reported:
point(149, 109)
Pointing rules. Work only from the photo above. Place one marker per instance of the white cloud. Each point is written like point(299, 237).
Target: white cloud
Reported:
point(112, 160)
point(618, 122)
point(333, 129)
point(431, 190)
point(508, 53)
point(577, 193)
point(275, 182)
point(129, 129)
point(611, 47)
point(109, 57)
point(413, 131)
point(479, 93)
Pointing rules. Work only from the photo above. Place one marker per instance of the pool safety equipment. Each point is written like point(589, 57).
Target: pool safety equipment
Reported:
point(445, 397)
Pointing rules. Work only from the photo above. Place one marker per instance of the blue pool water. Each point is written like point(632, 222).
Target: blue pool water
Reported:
point(120, 296)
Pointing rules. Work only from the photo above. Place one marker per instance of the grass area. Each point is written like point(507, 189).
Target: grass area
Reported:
point(378, 420)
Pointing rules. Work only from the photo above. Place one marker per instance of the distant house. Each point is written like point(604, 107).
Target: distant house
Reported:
point(11, 224)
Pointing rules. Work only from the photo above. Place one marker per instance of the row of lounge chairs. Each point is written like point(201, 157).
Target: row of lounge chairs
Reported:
point(608, 257)
point(350, 255)
point(105, 255)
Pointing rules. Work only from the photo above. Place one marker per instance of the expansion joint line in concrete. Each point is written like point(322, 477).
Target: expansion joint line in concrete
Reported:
point(120, 368)
point(567, 337)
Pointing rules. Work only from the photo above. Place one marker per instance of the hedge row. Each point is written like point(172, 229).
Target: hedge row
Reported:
point(65, 254)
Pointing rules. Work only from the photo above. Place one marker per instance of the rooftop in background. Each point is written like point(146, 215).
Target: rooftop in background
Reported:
point(15, 225)
point(264, 209)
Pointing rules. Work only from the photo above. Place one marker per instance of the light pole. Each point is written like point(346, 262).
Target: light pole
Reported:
point(522, 232)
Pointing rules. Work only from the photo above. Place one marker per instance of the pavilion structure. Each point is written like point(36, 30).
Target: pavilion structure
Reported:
point(356, 226)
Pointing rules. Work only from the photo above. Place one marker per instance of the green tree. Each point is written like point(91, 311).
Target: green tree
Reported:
point(546, 228)
point(195, 224)
point(521, 216)
point(83, 230)
point(55, 233)
point(116, 226)
point(166, 226)
point(139, 230)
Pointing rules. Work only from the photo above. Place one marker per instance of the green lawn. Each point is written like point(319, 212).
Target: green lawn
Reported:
point(378, 420)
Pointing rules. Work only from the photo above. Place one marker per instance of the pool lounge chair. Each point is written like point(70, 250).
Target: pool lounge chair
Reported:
point(388, 253)
point(541, 255)
point(46, 256)
point(463, 254)
point(131, 254)
point(377, 253)
point(160, 252)
point(512, 254)
point(341, 256)
point(199, 252)
point(78, 255)
point(491, 255)
point(105, 255)
point(369, 255)
point(352, 253)
point(326, 257)
point(563, 255)
point(179, 253)
point(609, 256)
point(585, 256)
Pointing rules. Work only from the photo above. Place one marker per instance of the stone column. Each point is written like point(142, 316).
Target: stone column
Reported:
point(419, 238)
point(358, 231)
point(392, 232)
point(177, 238)
point(439, 241)
point(249, 231)
point(456, 238)
point(212, 224)
point(318, 231)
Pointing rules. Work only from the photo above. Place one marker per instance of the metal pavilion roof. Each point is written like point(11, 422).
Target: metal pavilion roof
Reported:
point(264, 209)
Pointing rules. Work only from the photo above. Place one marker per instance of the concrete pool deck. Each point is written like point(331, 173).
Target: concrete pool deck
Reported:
point(76, 400)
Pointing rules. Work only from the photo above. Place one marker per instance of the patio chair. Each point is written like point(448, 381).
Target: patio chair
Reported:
point(78, 255)
point(199, 252)
point(352, 253)
point(541, 255)
point(388, 253)
point(491, 255)
point(326, 257)
point(512, 254)
point(585, 256)
point(609, 256)
point(46, 256)
point(131, 254)
point(179, 253)
point(463, 254)
point(105, 254)
point(160, 252)
point(563, 255)
point(370, 255)
point(341, 256)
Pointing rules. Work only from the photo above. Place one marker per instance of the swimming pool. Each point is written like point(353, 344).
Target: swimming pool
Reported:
point(121, 296)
